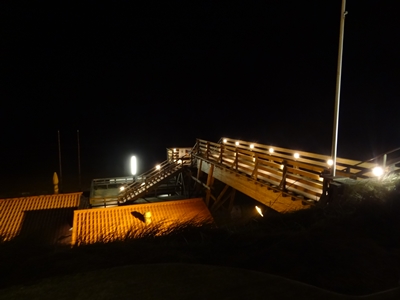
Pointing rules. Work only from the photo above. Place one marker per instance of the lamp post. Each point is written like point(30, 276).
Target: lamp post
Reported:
point(338, 85)
point(133, 166)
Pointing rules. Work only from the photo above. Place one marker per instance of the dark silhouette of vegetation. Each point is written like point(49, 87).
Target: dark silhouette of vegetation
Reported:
point(350, 246)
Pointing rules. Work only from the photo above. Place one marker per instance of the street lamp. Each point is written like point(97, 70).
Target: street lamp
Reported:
point(133, 165)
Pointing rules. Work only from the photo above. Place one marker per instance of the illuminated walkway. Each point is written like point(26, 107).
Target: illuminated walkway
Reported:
point(282, 179)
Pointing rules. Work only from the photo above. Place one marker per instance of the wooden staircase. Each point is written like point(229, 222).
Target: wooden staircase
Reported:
point(149, 181)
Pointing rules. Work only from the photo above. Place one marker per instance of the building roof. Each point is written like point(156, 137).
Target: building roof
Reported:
point(117, 223)
point(37, 214)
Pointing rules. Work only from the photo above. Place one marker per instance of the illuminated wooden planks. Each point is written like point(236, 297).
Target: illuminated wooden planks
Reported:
point(262, 192)
point(12, 210)
point(108, 224)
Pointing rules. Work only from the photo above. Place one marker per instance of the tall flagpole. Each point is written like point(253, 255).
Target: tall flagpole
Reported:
point(338, 85)
point(59, 157)
point(79, 160)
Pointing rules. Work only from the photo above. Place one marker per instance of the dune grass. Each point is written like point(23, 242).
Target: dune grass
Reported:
point(351, 246)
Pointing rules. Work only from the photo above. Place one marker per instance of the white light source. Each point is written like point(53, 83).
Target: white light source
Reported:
point(133, 165)
point(377, 171)
point(174, 150)
point(329, 162)
point(251, 146)
point(158, 167)
point(122, 188)
point(296, 155)
point(259, 211)
point(271, 150)
point(237, 143)
point(225, 140)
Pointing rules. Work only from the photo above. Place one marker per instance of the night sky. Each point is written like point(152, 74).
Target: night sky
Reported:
point(138, 77)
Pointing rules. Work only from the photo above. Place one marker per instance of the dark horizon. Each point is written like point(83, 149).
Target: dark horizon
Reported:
point(136, 78)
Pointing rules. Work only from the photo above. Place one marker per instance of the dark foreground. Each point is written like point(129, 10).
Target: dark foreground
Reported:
point(349, 248)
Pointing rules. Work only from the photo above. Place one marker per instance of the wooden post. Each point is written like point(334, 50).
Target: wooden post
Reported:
point(254, 173)
point(221, 152)
point(236, 159)
point(232, 199)
point(325, 187)
point(282, 185)
point(209, 183)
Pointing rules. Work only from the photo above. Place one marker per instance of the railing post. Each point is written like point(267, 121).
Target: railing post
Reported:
point(221, 151)
point(325, 186)
point(207, 149)
point(282, 185)
point(236, 159)
point(209, 183)
point(254, 173)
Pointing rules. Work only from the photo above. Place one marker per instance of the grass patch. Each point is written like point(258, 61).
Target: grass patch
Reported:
point(351, 247)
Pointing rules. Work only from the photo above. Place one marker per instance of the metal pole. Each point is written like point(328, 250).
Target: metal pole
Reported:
point(79, 160)
point(59, 158)
point(338, 82)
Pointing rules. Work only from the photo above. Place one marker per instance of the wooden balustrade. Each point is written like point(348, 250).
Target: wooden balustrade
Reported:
point(298, 172)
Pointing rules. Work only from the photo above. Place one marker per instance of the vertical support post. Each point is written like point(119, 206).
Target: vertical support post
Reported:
point(236, 159)
point(199, 168)
point(384, 161)
point(325, 186)
point(209, 183)
point(221, 153)
point(231, 200)
point(282, 185)
point(254, 173)
point(207, 150)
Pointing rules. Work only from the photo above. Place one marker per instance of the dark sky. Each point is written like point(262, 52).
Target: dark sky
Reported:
point(137, 77)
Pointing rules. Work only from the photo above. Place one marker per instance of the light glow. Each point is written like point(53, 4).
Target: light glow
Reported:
point(225, 140)
point(377, 171)
point(122, 188)
point(133, 165)
point(296, 155)
point(271, 150)
point(158, 167)
point(329, 162)
point(237, 143)
point(259, 211)
point(251, 146)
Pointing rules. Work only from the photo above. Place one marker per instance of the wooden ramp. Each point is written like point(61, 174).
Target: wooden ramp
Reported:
point(282, 179)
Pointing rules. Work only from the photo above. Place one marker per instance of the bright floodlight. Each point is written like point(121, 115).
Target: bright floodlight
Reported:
point(296, 155)
point(237, 143)
point(377, 171)
point(133, 165)
point(251, 146)
point(259, 211)
point(271, 150)
point(329, 162)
